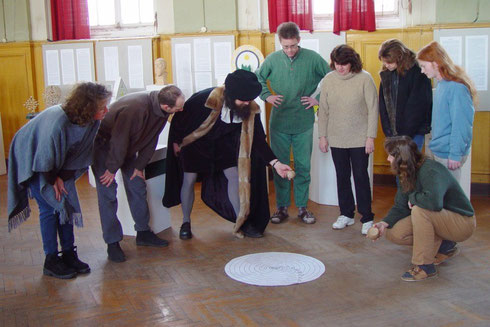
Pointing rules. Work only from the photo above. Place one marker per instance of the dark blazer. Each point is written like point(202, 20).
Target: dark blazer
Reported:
point(412, 114)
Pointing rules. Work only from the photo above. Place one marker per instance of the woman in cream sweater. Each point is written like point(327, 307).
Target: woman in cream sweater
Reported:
point(347, 122)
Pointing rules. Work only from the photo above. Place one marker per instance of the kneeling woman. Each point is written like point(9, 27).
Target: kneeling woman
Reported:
point(431, 211)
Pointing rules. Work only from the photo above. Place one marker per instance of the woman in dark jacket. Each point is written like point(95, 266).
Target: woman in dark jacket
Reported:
point(405, 94)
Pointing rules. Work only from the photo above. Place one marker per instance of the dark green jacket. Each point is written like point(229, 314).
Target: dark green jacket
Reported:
point(292, 79)
point(435, 189)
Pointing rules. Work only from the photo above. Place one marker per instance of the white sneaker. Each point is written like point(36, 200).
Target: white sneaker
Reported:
point(343, 222)
point(365, 227)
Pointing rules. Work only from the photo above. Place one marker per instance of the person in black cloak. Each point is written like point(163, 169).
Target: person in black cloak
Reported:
point(219, 136)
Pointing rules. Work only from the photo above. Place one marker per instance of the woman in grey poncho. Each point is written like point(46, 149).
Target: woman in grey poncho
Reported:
point(46, 157)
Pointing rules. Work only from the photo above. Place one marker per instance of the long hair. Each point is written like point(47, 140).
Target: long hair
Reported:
point(407, 160)
point(394, 51)
point(82, 103)
point(434, 52)
point(343, 55)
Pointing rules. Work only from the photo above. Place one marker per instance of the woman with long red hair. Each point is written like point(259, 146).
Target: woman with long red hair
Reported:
point(453, 111)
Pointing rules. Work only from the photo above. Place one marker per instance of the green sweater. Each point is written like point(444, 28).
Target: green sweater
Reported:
point(292, 79)
point(435, 189)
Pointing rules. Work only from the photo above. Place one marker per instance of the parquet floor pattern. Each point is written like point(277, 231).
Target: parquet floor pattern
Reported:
point(185, 284)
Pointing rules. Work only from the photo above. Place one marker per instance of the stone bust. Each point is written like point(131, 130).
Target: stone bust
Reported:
point(160, 71)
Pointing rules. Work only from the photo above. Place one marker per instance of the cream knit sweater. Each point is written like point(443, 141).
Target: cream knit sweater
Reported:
point(348, 112)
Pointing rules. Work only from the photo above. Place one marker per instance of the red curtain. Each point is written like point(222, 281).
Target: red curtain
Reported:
point(298, 11)
point(69, 20)
point(354, 14)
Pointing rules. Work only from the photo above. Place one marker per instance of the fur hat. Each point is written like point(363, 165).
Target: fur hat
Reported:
point(242, 85)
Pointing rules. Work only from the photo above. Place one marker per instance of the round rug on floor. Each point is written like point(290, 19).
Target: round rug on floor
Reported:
point(274, 269)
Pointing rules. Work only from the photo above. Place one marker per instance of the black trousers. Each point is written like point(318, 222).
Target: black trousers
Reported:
point(354, 159)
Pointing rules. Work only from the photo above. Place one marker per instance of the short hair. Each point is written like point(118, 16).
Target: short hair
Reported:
point(288, 30)
point(169, 95)
point(394, 51)
point(434, 52)
point(343, 55)
point(82, 103)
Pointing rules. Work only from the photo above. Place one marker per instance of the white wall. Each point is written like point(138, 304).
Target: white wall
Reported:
point(165, 16)
point(39, 30)
point(423, 12)
point(252, 15)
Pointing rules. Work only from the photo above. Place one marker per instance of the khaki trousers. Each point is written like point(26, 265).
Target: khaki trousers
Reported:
point(425, 230)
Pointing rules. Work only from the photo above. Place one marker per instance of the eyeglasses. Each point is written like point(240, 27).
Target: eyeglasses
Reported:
point(290, 47)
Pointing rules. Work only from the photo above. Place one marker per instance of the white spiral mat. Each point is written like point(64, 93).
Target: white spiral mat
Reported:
point(274, 269)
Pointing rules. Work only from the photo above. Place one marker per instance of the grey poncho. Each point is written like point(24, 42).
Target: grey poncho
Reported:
point(48, 143)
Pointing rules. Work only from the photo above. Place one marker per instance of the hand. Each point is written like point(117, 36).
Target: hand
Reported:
point(275, 100)
point(381, 226)
point(451, 164)
point(282, 169)
point(137, 173)
point(369, 145)
point(323, 144)
point(107, 178)
point(176, 149)
point(59, 188)
point(310, 102)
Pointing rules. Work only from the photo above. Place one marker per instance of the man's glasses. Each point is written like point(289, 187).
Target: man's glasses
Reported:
point(290, 47)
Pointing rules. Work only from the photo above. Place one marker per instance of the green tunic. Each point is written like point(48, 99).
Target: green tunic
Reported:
point(292, 79)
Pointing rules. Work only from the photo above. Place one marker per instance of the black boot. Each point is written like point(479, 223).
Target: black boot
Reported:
point(148, 238)
point(250, 231)
point(115, 253)
point(54, 266)
point(185, 231)
point(70, 258)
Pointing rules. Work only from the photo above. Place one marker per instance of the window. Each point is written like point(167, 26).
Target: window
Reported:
point(121, 18)
point(387, 14)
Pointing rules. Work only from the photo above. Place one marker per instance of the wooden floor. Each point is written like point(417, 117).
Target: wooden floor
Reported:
point(185, 284)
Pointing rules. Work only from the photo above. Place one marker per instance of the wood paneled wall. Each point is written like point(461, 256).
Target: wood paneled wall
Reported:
point(367, 45)
point(16, 85)
point(23, 77)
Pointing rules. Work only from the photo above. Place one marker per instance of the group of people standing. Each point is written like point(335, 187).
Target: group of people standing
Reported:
point(217, 136)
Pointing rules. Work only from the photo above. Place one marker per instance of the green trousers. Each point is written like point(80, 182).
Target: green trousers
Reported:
point(302, 145)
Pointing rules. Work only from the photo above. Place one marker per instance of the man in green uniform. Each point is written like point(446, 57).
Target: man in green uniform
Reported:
point(294, 74)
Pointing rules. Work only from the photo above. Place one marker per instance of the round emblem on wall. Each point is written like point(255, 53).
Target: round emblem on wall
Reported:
point(247, 57)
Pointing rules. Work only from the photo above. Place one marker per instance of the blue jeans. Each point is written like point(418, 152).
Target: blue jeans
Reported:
point(50, 223)
point(419, 140)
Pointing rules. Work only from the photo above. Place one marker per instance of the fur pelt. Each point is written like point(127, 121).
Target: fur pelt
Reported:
point(387, 85)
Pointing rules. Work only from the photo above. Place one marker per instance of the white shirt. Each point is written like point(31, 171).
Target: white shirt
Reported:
point(226, 116)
